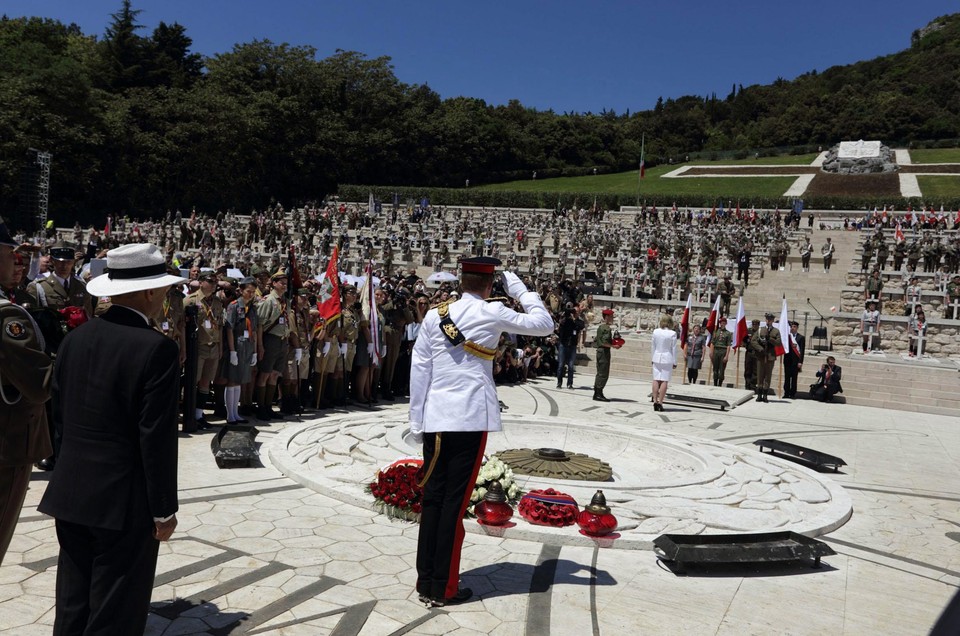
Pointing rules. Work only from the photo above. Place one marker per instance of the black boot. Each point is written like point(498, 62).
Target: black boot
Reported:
point(219, 409)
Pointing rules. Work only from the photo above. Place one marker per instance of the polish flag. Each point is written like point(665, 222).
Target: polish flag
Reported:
point(712, 319)
point(786, 338)
point(899, 234)
point(738, 328)
point(685, 322)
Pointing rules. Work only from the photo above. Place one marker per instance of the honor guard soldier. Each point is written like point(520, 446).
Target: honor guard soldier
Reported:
point(453, 405)
point(604, 342)
point(750, 360)
point(899, 253)
point(274, 314)
point(209, 339)
point(805, 251)
point(763, 345)
point(722, 339)
point(61, 288)
point(25, 373)
point(827, 251)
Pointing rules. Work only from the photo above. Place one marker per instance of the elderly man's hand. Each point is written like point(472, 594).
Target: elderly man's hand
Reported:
point(163, 530)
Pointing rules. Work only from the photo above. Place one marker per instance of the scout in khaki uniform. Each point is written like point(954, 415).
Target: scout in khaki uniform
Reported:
point(350, 330)
point(298, 358)
point(275, 316)
point(209, 339)
point(722, 339)
point(25, 373)
point(750, 360)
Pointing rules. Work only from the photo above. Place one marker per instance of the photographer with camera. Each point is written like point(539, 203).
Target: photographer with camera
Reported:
point(828, 381)
point(568, 332)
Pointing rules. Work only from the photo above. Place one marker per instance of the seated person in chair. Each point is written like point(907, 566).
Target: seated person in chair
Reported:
point(828, 381)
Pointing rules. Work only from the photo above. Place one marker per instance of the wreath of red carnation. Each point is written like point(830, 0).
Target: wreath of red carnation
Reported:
point(395, 490)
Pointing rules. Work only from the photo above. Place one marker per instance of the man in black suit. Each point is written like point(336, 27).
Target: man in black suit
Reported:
point(114, 491)
point(793, 362)
point(828, 381)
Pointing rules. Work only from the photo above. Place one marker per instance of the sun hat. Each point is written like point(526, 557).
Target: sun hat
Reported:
point(132, 268)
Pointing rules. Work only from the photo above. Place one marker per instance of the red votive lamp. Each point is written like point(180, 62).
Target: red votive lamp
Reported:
point(494, 509)
point(595, 520)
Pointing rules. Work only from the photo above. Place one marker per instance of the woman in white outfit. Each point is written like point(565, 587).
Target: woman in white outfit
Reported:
point(663, 355)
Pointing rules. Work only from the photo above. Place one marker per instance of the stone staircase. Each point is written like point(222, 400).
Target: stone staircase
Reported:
point(889, 383)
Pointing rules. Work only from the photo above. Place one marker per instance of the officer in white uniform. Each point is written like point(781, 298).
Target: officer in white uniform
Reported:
point(453, 404)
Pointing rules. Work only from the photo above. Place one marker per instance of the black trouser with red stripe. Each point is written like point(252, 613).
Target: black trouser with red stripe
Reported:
point(445, 499)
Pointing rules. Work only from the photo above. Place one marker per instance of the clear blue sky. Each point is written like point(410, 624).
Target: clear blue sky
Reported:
point(557, 54)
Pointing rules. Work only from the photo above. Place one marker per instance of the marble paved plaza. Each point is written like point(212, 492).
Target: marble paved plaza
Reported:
point(257, 552)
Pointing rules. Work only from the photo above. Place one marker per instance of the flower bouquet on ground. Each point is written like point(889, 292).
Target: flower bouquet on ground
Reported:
point(395, 489)
point(549, 508)
point(494, 470)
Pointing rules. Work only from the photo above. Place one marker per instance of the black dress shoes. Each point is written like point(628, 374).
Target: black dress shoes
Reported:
point(462, 596)
point(47, 464)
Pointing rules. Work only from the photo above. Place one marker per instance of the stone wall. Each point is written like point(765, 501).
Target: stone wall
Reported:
point(886, 162)
point(942, 340)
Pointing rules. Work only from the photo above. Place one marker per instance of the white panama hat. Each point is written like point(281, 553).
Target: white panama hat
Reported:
point(132, 268)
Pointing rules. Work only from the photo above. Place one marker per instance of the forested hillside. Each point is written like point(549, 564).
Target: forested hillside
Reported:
point(138, 123)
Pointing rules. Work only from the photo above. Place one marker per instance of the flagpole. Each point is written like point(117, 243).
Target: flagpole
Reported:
point(780, 379)
point(736, 378)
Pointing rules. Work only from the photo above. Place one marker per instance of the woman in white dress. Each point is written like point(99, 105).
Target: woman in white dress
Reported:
point(663, 355)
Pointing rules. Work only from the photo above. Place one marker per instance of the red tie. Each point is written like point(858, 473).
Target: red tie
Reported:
point(828, 374)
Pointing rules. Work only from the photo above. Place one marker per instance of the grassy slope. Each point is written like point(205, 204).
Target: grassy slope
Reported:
point(939, 187)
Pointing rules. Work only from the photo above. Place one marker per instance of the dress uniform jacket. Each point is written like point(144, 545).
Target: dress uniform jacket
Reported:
point(49, 292)
point(25, 374)
point(453, 390)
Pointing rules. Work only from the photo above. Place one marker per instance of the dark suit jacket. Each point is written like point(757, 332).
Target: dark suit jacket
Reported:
point(835, 375)
point(790, 359)
point(117, 382)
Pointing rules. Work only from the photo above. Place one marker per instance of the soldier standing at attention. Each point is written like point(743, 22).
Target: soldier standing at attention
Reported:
point(763, 344)
point(453, 405)
point(750, 360)
point(805, 250)
point(25, 373)
point(827, 251)
point(604, 342)
point(722, 339)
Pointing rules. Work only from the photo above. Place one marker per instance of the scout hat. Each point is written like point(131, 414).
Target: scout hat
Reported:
point(132, 268)
point(5, 238)
point(480, 265)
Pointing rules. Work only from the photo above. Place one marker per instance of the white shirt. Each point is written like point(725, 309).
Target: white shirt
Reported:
point(452, 390)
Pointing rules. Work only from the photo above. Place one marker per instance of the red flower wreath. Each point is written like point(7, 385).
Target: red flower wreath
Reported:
point(549, 508)
point(395, 489)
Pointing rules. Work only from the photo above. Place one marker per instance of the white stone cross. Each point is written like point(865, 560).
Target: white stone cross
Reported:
point(921, 339)
point(954, 308)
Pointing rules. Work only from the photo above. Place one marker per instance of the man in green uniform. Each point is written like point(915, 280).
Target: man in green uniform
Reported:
point(750, 360)
point(951, 296)
point(763, 344)
point(722, 339)
point(603, 342)
point(274, 314)
point(25, 372)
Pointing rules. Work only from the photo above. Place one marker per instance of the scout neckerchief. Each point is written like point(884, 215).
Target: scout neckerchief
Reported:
point(244, 317)
point(208, 311)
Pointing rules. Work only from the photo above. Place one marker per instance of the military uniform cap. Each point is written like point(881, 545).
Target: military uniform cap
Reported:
point(210, 277)
point(248, 280)
point(480, 265)
point(280, 273)
point(769, 314)
point(62, 252)
point(607, 312)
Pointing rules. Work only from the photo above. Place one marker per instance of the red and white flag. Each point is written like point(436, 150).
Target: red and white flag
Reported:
point(786, 338)
point(739, 327)
point(712, 319)
point(899, 234)
point(685, 322)
point(328, 298)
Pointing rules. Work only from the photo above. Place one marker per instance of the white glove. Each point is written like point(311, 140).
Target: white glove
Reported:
point(515, 286)
point(253, 362)
point(298, 355)
point(370, 349)
point(234, 358)
point(343, 348)
point(326, 348)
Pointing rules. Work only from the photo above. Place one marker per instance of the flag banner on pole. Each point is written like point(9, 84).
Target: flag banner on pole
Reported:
point(685, 322)
point(739, 328)
point(328, 298)
point(106, 227)
point(783, 326)
point(899, 234)
point(712, 320)
point(369, 305)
